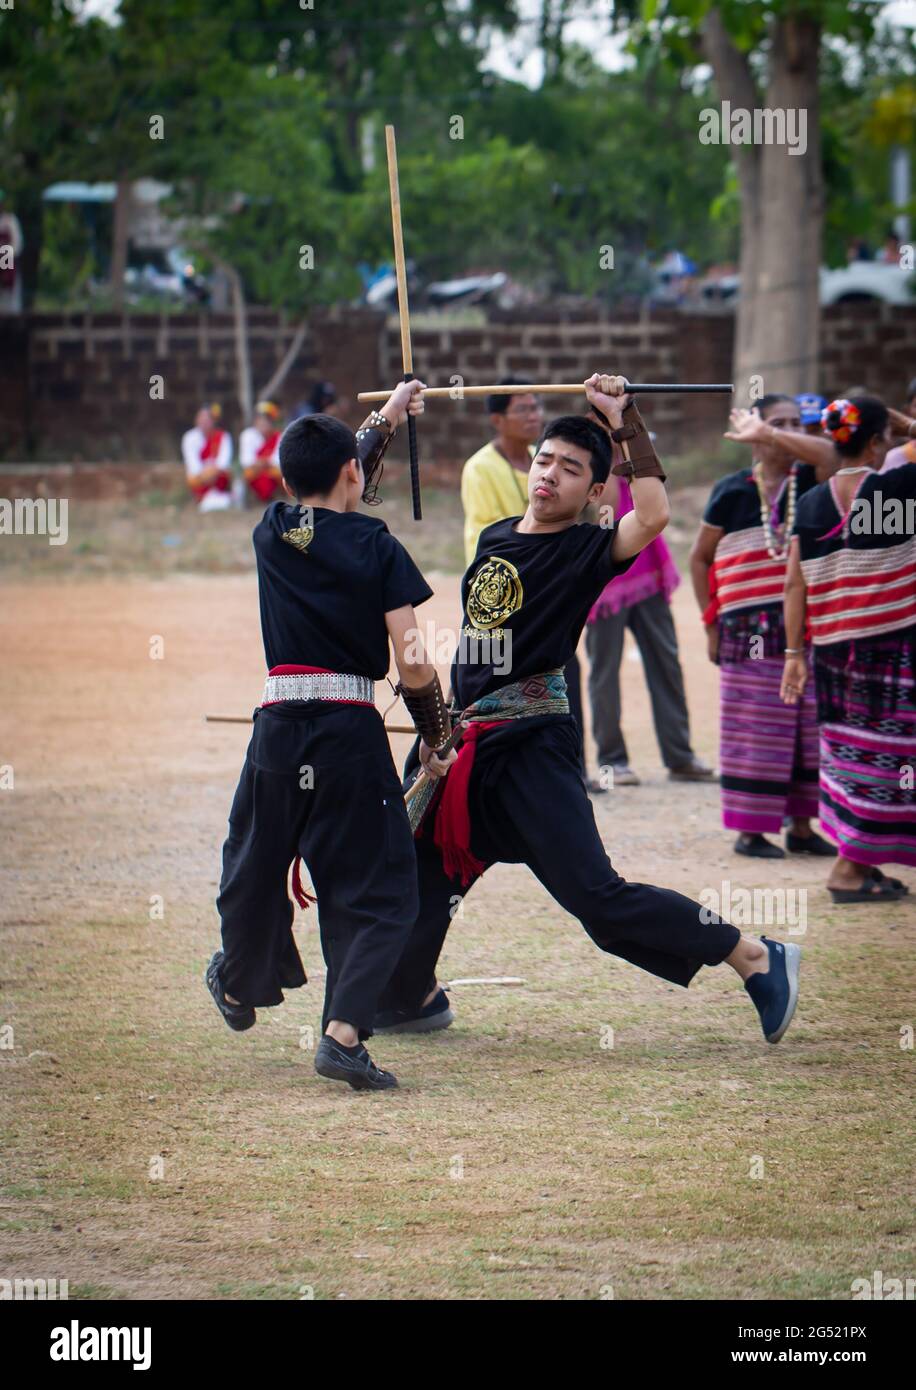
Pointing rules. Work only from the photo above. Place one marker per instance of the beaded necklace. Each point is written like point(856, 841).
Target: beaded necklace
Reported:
point(777, 538)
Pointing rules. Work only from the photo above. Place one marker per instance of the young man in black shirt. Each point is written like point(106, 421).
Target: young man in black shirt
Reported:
point(515, 794)
point(319, 782)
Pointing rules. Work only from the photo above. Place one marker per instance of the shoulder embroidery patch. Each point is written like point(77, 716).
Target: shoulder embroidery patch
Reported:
point(300, 536)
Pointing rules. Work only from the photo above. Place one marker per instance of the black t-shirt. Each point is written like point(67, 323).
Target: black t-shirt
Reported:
point(325, 591)
point(538, 588)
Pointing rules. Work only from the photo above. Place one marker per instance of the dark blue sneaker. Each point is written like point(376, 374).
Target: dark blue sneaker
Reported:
point(435, 1015)
point(238, 1016)
point(775, 994)
point(353, 1065)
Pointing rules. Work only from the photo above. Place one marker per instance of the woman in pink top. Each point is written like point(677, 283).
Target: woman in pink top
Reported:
point(639, 600)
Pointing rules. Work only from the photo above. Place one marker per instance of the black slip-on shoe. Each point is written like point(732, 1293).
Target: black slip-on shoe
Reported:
point(756, 847)
point(810, 844)
point(433, 1016)
point(238, 1016)
point(356, 1068)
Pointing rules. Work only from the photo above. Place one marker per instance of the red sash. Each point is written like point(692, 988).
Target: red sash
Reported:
point(265, 485)
point(266, 450)
point(220, 484)
point(452, 830)
point(211, 446)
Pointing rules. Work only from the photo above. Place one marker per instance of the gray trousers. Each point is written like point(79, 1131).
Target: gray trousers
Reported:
point(652, 626)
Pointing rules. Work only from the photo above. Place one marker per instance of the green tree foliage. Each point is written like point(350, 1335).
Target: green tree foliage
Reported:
point(269, 111)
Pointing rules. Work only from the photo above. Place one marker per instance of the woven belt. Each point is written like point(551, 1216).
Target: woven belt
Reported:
point(358, 690)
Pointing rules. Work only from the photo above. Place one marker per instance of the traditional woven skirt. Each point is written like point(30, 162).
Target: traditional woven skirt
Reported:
point(767, 750)
point(866, 694)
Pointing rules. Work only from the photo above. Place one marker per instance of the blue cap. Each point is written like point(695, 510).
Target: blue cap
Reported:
point(811, 407)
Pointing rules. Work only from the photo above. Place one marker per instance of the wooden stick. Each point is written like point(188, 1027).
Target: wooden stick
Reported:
point(422, 776)
point(246, 719)
point(563, 388)
point(400, 266)
point(485, 980)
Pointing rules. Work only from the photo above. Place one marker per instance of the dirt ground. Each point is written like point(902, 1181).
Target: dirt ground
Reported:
point(531, 1152)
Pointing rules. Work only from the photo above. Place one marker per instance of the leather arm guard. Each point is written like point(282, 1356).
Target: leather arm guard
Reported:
point(639, 457)
point(428, 711)
point(372, 440)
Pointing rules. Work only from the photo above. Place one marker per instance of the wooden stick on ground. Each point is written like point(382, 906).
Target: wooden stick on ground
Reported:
point(246, 719)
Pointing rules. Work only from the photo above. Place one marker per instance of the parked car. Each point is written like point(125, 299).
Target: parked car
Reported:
point(857, 282)
point(862, 280)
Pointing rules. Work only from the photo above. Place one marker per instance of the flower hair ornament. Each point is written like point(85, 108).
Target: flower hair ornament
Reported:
point(840, 420)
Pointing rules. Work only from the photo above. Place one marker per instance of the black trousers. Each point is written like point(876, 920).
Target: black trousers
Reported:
point(530, 806)
point(318, 781)
point(573, 673)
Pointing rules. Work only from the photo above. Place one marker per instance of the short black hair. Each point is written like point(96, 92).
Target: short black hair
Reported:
point(581, 432)
point(313, 450)
point(873, 418)
point(911, 389)
point(767, 402)
point(498, 405)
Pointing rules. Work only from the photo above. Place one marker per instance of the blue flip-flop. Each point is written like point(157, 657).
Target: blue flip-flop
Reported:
point(775, 994)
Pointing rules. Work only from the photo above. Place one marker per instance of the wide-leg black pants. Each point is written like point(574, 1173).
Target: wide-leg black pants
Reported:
point(318, 781)
point(529, 805)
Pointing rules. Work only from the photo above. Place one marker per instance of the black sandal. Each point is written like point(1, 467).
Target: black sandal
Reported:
point(897, 883)
point(880, 890)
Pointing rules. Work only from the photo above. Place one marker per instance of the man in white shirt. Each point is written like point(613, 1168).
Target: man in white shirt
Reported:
point(207, 454)
point(259, 452)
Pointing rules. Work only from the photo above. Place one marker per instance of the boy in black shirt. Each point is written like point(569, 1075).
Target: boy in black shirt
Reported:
point(319, 783)
point(515, 794)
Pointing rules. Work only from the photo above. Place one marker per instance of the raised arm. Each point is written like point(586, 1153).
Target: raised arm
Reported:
point(378, 429)
point(638, 463)
point(748, 428)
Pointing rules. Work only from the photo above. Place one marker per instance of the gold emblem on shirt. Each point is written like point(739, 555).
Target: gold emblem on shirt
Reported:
point(495, 594)
point(300, 537)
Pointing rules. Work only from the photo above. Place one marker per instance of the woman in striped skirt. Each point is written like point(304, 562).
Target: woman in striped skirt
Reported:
point(852, 580)
point(767, 750)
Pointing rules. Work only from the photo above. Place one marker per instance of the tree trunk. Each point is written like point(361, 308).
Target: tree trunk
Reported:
point(119, 242)
point(284, 367)
point(782, 210)
point(242, 354)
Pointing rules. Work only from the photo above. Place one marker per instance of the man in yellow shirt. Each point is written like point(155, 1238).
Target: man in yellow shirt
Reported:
point(494, 481)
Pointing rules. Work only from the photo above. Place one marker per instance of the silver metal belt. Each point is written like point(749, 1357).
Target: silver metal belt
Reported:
point(327, 687)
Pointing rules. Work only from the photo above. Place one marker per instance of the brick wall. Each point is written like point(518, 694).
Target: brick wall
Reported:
point(78, 388)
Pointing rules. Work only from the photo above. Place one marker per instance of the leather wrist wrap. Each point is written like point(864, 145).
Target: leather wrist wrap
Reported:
point(372, 442)
point(639, 457)
point(428, 711)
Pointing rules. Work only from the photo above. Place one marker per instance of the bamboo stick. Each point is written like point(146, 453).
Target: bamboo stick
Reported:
point(553, 388)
